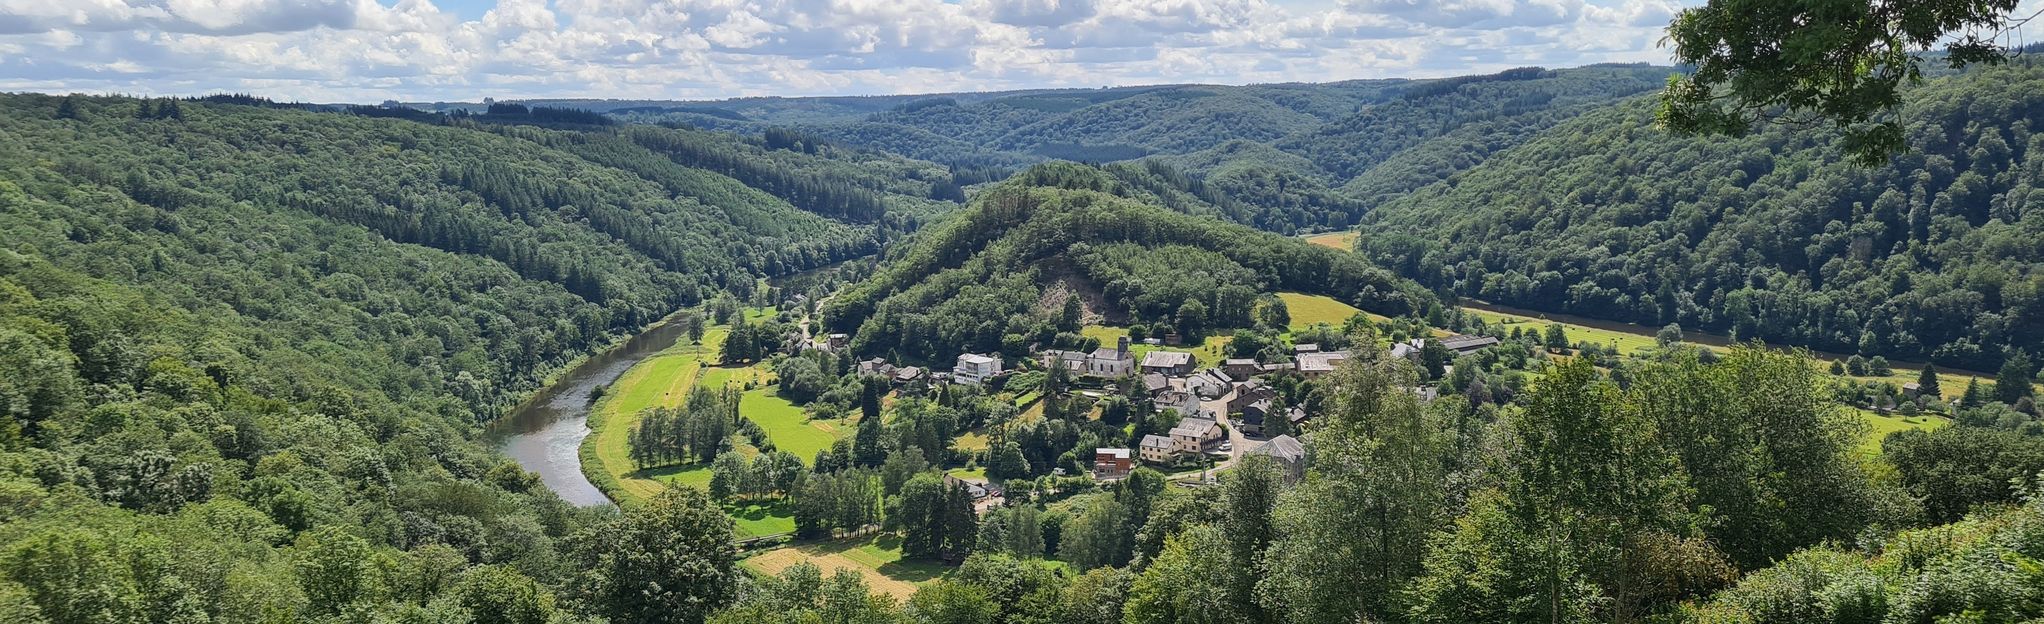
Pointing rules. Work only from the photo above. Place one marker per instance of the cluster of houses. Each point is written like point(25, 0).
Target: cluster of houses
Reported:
point(1208, 400)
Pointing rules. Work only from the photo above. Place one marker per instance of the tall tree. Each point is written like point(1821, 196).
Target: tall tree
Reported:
point(1355, 531)
point(670, 560)
point(1589, 522)
point(1249, 495)
point(1845, 62)
point(1927, 383)
point(2013, 382)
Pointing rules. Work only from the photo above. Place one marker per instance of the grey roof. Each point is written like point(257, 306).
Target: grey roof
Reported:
point(1283, 447)
point(1109, 353)
point(1322, 361)
point(1196, 427)
point(1156, 441)
point(1167, 359)
point(1467, 343)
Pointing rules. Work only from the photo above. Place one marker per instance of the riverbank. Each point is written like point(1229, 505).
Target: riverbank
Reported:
point(662, 380)
point(545, 431)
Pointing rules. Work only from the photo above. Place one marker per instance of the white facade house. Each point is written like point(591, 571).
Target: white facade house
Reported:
point(1156, 449)
point(973, 368)
point(1192, 436)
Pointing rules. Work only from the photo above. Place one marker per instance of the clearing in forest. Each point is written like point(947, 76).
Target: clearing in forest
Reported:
point(876, 558)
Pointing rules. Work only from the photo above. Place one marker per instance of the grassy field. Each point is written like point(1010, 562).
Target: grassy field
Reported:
point(758, 519)
point(876, 558)
point(1345, 241)
point(1307, 310)
point(1626, 342)
point(970, 441)
point(787, 426)
point(659, 381)
point(1209, 353)
point(1880, 425)
point(1950, 384)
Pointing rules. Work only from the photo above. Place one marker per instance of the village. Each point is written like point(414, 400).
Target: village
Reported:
point(1224, 410)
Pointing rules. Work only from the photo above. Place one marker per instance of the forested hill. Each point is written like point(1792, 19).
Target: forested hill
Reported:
point(996, 276)
point(368, 234)
point(1939, 255)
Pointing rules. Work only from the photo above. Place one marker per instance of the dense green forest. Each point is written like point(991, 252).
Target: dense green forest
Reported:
point(987, 279)
point(247, 349)
point(1775, 235)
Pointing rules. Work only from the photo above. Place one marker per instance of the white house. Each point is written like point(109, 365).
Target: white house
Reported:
point(1192, 436)
point(1156, 449)
point(974, 368)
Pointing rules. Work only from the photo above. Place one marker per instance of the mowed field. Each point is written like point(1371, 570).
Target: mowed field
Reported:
point(787, 426)
point(876, 558)
point(665, 380)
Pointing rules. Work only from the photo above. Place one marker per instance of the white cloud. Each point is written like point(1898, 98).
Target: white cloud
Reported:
point(368, 50)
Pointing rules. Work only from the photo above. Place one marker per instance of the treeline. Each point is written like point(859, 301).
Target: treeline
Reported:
point(698, 431)
point(1772, 236)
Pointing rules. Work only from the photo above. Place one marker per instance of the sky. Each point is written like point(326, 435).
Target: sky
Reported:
point(465, 50)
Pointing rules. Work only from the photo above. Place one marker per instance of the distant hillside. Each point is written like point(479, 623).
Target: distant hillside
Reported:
point(977, 282)
point(1773, 236)
point(1305, 156)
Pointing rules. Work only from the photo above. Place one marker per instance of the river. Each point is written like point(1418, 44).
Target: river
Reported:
point(545, 433)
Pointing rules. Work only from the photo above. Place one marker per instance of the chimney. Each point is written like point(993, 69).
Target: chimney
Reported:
point(1121, 346)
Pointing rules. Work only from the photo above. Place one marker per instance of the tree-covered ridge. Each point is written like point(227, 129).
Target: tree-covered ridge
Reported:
point(974, 282)
point(572, 237)
point(1775, 235)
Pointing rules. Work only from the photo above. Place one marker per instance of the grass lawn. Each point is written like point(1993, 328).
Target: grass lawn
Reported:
point(1880, 425)
point(877, 558)
point(979, 474)
point(786, 425)
point(761, 519)
point(1345, 241)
